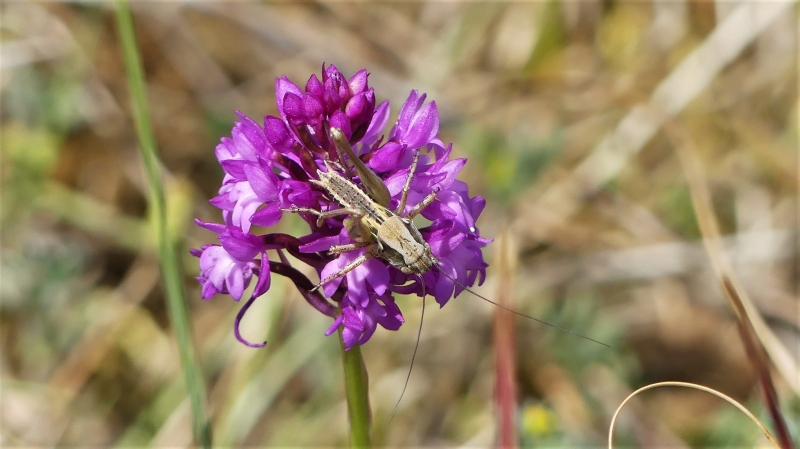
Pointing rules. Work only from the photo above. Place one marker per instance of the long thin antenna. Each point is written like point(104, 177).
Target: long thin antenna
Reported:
point(518, 313)
point(413, 356)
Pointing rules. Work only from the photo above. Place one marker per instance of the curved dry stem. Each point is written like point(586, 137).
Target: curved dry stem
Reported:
point(688, 385)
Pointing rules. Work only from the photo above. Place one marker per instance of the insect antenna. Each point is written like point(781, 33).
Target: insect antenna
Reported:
point(519, 313)
point(416, 345)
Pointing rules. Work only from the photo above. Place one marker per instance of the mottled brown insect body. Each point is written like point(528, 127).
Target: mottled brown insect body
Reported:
point(397, 240)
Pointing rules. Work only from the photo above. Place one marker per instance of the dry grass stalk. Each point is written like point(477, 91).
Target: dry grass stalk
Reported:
point(753, 330)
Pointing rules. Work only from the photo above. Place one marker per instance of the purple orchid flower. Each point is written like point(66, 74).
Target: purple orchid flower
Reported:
point(269, 169)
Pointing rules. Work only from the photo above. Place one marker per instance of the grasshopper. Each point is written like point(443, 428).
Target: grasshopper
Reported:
point(388, 234)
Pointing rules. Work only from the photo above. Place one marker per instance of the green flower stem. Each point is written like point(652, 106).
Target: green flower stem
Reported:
point(167, 246)
point(356, 384)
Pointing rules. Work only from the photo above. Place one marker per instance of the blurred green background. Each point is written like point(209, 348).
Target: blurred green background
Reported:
point(545, 98)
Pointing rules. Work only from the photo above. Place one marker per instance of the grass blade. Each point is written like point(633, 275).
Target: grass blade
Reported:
point(167, 248)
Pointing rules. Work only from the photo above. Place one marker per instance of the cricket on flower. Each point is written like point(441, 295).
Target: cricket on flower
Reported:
point(362, 242)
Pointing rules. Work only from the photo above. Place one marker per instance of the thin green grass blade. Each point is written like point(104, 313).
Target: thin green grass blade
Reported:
point(167, 248)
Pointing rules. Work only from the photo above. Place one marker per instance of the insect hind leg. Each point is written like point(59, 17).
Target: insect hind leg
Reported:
point(404, 197)
point(339, 249)
point(322, 216)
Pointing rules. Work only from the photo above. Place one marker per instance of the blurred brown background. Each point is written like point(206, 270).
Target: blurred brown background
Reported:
point(558, 105)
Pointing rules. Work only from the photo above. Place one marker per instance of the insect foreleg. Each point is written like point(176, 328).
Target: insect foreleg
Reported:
point(322, 216)
point(404, 197)
point(422, 205)
point(349, 267)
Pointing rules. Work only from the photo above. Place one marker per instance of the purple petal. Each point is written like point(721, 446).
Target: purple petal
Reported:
point(393, 318)
point(282, 87)
point(450, 170)
point(340, 120)
point(235, 168)
point(323, 244)
point(379, 119)
point(358, 82)
point(268, 215)
point(313, 109)
point(247, 202)
point(221, 273)
point(225, 149)
point(241, 246)
point(352, 328)
point(222, 202)
point(253, 134)
point(208, 290)
point(336, 323)
point(264, 277)
point(407, 112)
point(241, 140)
point(423, 127)
point(263, 181)
point(298, 193)
point(357, 107)
point(388, 157)
point(278, 135)
point(238, 321)
point(332, 267)
point(293, 109)
point(443, 242)
point(372, 272)
point(234, 282)
point(315, 87)
point(213, 227)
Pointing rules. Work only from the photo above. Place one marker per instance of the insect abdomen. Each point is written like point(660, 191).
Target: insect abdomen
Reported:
point(348, 195)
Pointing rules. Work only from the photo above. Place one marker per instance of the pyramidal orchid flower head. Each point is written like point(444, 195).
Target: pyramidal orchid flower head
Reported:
point(271, 168)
